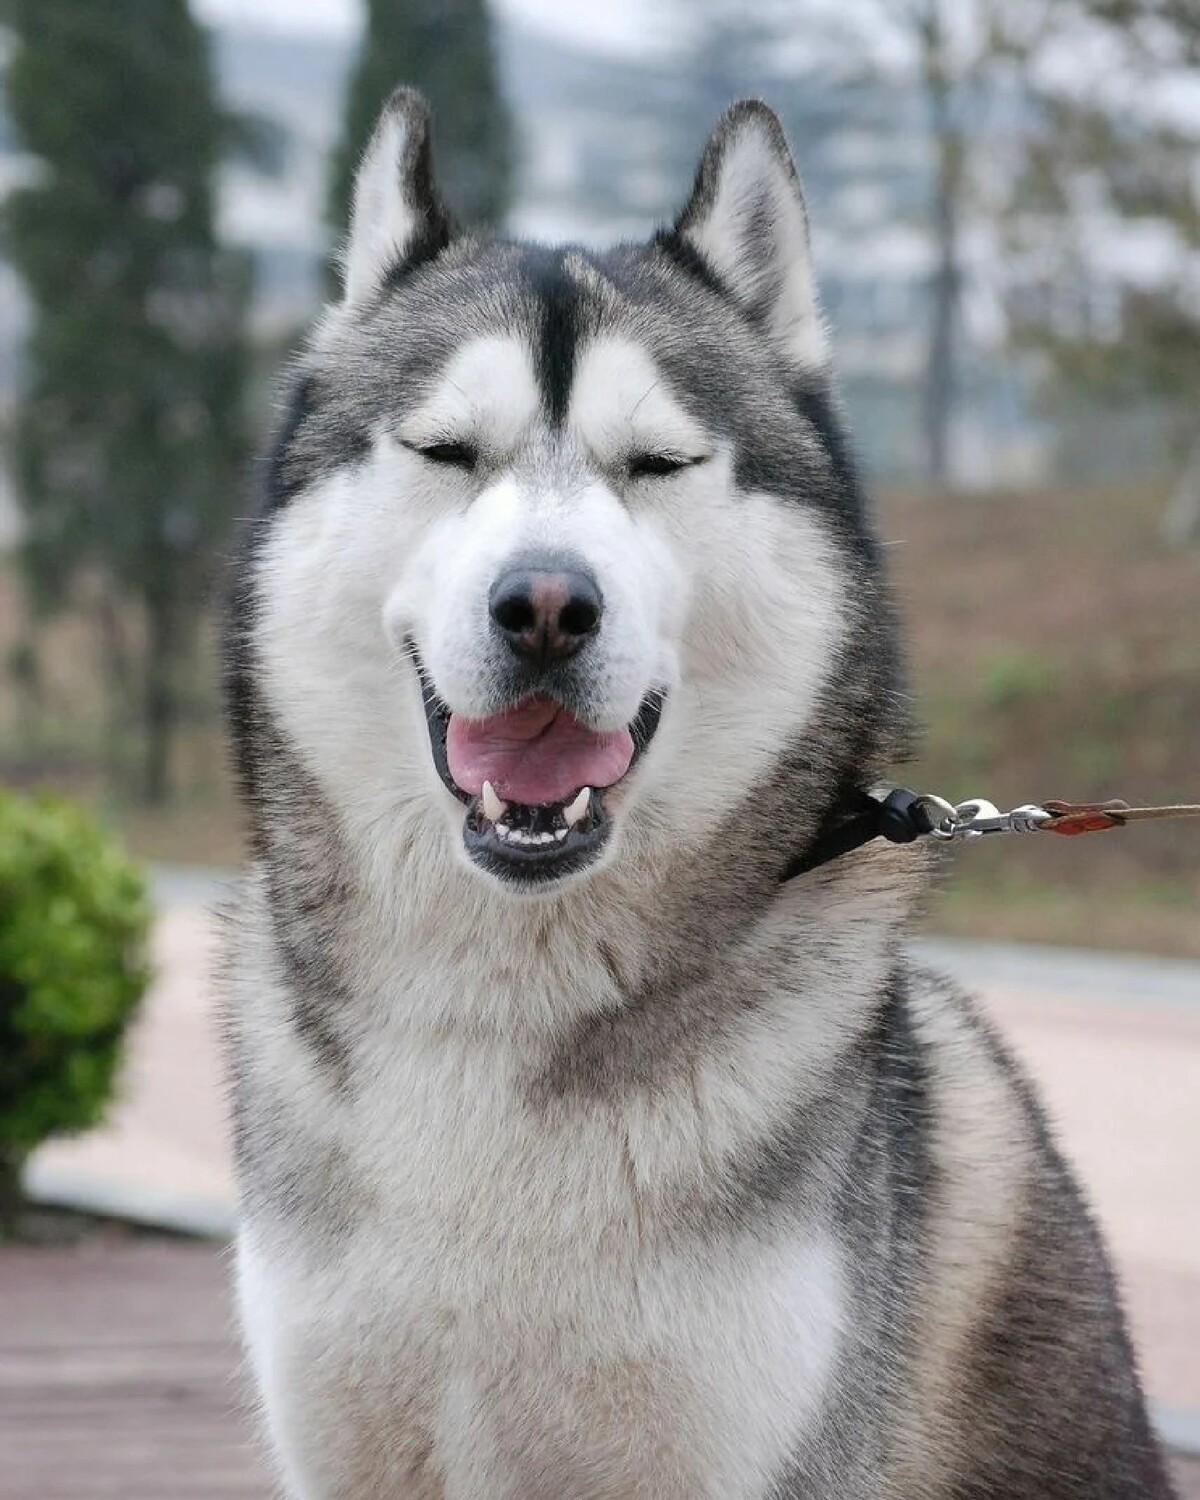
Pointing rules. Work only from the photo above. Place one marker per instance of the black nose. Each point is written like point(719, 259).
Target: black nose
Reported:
point(546, 614)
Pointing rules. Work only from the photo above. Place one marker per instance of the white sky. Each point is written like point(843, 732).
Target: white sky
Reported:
point(613, 26)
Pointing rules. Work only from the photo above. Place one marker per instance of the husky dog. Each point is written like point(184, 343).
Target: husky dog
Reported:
point(581, 1156)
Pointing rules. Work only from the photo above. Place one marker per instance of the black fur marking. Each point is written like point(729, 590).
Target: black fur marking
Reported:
point(307, 896)
point(817, 407)
point(425, 245)
point(291, 828)
point(689, 260)
point(798, 1168)
point(280, 484)
point(559, 303)
point(238, 686)
point(316, 438)
point(883, 1189)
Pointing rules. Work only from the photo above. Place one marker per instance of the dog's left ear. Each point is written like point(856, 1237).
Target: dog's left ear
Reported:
point(397, 218)
point(746, 220)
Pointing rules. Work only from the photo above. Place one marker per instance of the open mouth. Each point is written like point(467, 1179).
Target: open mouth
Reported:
point(534, 779)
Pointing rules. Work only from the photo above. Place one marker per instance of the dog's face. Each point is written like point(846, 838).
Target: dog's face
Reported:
point(558, 548)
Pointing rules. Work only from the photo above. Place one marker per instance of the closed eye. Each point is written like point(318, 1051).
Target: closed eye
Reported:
point(658, 465)
point(453, 455)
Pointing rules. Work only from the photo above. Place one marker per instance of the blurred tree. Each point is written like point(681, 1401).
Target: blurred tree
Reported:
point(940, 81)
point(130, 436)
point(1104, 222)
point(944, 52)
point(1062, 146)
point(444, 48)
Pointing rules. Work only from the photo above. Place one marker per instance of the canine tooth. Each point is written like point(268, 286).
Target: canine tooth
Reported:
point(578, 809)
point(493, 808)
point(560, 833)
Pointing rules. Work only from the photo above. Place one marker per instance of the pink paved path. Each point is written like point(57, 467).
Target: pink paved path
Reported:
point(1117, 1057)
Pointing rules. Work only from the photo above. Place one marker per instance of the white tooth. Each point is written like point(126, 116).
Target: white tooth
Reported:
point(560, 834)
point(545, 838)
point(493, 808)
point(503, 830)
point(578, 809)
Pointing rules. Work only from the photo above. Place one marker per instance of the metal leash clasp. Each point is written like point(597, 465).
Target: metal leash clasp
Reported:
point(976, 817)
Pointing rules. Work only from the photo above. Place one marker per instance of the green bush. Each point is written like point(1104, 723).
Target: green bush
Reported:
point(74, 921)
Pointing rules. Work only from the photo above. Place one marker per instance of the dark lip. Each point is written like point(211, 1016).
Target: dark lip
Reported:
point(536, 865)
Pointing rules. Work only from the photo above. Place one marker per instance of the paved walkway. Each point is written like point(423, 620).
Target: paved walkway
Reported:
point(1114, 1045)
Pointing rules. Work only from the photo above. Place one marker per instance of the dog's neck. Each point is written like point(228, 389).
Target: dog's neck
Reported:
point(419, 940)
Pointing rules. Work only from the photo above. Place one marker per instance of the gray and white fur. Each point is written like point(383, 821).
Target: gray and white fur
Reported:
point(638, 1174)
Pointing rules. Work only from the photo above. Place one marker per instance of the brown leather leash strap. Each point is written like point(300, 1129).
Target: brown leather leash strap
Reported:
point(1071, 818)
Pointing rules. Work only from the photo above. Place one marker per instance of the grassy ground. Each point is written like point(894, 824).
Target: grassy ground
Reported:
point(1055, 651)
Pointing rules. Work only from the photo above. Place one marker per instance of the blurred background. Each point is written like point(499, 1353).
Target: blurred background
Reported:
point(1005, 201)
point(1006, 215)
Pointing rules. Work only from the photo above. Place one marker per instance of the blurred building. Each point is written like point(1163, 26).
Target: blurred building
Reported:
point(608, 146)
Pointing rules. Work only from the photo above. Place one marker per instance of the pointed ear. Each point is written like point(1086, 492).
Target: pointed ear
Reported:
point(398, 217)
point(746, 220)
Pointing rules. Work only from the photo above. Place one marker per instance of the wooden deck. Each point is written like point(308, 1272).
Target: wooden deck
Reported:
point(118, 1378)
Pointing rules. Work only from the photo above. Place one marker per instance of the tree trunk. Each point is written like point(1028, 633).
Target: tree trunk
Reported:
point(1180, 522)
point(160, 709)
point(119, 690)
point(24, 670)
point(948, 148)
point(12, 1199)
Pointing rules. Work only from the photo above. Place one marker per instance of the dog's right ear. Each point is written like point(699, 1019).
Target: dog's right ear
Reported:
point(398, 218)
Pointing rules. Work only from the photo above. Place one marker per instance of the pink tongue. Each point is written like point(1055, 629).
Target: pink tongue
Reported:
point(535, 753)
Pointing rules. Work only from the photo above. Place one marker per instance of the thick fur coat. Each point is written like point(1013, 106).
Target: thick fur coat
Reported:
point(580, 1157)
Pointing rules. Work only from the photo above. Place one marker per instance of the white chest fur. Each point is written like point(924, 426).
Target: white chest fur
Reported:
point(499, 1312)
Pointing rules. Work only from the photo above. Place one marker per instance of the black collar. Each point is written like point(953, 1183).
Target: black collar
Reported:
point(858, 818)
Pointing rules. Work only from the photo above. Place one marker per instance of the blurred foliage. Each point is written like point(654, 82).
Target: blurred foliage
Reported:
point(74, 920)
point(1094, 167)
point(1014, 676)
point(444, 48)
point(129, 436)
point(258, 140)
point(1063, 198)
point(1105, 222)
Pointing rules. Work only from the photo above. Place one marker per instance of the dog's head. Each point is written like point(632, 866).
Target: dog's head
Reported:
point(561, 545)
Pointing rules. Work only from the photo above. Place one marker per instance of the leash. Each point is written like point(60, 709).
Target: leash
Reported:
point(904, 816)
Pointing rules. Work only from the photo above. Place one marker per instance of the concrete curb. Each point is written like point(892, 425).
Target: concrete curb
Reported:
point(1179, 1430)
point(1073, 973)
point(150, 1208)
